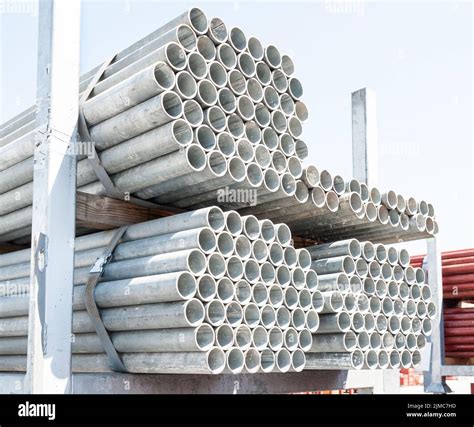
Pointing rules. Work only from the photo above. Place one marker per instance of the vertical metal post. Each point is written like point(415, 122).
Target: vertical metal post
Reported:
point(433, 379)
point(364, 136)
point(365, 169)
point(52, 257)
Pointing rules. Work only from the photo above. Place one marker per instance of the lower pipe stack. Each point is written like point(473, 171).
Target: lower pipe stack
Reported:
point(203, 292)
point(210, 292)
point(375, 310)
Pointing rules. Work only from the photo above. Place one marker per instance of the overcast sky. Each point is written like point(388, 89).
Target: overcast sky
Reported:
point(416, 56)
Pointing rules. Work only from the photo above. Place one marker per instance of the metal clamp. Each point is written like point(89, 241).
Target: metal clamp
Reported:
point(95, 274)
point(100, 264)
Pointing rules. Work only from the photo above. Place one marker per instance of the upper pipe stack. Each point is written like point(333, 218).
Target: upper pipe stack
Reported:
point(198, 114)
point(199, 292)
point(326, 208)
point(376, 308)
point(196, 108)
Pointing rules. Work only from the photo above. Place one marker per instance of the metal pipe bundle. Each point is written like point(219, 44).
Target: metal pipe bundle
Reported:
point(375, 309)
point(191, 109)
point(459, 332)
point(198, 292)
point(327, 209)
point(366, 213)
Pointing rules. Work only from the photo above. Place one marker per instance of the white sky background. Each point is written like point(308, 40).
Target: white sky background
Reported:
point(416, 56)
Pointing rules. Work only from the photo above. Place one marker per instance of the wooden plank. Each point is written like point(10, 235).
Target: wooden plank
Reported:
point(302, 242)
point(6, 248)
point(103, 213)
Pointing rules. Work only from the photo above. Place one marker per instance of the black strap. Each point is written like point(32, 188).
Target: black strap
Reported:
point(94, 160)
point(95, 274)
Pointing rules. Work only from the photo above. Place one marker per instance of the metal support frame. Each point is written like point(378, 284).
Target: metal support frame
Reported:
point(364, 155)
point(364, 136)
point(365, 169)
point(52, 251)
point(116, 383)
point(433, 378)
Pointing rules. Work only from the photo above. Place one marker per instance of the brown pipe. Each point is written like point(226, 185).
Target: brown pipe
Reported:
point(459, 324)
point(462, 260)
point(447, 255)
point(459, 332)
point(458, 310)
point(459, 316)
point(459, 340)
point(458, 269)
point(460, 354)
point(458, 295)
point(460, 347)
point(461, 286)
point(461, 278)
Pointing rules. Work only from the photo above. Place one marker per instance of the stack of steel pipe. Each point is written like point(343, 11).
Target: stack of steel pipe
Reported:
point(377, 309)
point(198, 292)
point(459, 332)
point(193, 108)
point(317, 196)
point(326, 208)
point(197, 114)
point(367, 213)
point(457, 271)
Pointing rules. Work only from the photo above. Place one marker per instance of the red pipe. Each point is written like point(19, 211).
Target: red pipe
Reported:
point(461, 278)
point(448, 254)
point(453, 261)
point(459, 323)
point(452, 310)
point(459, 295)
point(458, 332)
point(459, 286)
point(458, 316)
point(460, 347)
point(459, 340)
point(449, 261)
point(454, 254)
point(458, 269)
point(462, 296)
point(467, 355)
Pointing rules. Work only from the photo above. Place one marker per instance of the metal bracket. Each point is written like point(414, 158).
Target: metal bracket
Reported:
point(438, 388)
point(41, 261)
point(100, 264)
